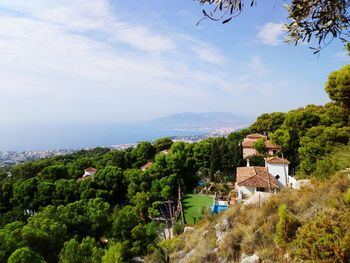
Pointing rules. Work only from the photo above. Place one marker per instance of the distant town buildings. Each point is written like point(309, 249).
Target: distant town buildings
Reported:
point(8, 158)
point(14, 157)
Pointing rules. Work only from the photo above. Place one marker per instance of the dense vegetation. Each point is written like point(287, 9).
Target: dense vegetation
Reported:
point(47, 214)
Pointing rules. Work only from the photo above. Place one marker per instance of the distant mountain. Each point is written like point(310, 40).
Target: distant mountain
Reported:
point(201, 120)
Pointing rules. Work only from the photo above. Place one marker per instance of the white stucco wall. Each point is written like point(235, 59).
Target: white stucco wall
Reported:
point(278, 169)
point(88, 173)
point(245, 190)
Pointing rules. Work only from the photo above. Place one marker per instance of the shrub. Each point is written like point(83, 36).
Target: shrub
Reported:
point(320, 240)
point(347, 197)
point(286, 226)
point(178, 228)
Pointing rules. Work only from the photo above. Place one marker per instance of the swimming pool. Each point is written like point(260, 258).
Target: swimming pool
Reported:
point(219, 207)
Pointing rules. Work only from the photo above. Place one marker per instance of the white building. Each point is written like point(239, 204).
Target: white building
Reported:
point(250, 180)
point(248, 145)
point(89, 172)
point(279, 168)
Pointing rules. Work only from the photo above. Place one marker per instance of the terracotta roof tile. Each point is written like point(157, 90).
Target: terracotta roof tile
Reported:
point(276, 160)
point(270, 145)
point(146, 166)
point(256, 136)
point(90, 170)
point(248, 143)
point(255, 176)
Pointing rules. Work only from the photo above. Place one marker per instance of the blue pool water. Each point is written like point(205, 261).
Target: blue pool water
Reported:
point(216, 208)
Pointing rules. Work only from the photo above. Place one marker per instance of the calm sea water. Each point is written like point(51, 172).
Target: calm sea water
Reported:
point(72, 136)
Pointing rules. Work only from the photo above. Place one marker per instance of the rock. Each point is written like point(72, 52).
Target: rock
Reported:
point(304, 183)
point(225, 223)
point(251, 259)
point(188, 229)
point(188, 256)
point(220, 230)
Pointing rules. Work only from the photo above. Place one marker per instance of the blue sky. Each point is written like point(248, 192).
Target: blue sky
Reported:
point(111, 61)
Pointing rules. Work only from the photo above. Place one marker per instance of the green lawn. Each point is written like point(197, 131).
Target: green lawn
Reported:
point(193, 205)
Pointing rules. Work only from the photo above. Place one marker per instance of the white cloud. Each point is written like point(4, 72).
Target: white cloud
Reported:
point(77, 60)
point(54, 69)
point(270, 33)
point(342, 56)
point(208, 53)
point(86, 16)
point(257, 65)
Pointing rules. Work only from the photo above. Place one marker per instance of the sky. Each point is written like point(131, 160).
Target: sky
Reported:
point(70, 61)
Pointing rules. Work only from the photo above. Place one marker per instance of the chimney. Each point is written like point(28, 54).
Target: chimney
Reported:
point(248, 163)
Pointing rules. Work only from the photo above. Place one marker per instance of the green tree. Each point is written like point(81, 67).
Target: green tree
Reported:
point(338, 86)
point(25, 255)
point(6, 188)
point(113, 158)
point(43, 195)
point(54, 172)
point(162, 144)
point(10, 239)
point(111, 179)
point(317, 142)
point(86, 251)
point(202, 153)
point(260, 147)
point(114, 254)
point(66, 191)
point(24, 194)
point(182, 164)
point(142, 153)
point(45, 234)
point(268, 122)
point(98, 213)
point(286, 227)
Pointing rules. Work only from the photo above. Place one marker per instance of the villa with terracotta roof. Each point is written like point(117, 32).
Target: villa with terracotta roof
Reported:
point(250, 180)
point(89, 172)
point(274, 176)
point(146, 166)
point(249, 150)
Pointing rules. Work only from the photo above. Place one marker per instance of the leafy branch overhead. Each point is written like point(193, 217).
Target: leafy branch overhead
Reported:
point(322, 20)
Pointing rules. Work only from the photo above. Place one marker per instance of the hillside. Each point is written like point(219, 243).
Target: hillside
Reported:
point(310, 224)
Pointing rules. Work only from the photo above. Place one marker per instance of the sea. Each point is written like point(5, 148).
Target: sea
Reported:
point(43, 136)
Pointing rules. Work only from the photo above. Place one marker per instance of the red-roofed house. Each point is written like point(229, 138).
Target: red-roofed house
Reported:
point(250, 180)
point(146, 166)
point(89, 172)
point(248, 142)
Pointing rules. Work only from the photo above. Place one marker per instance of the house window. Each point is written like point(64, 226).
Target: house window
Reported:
point(260, 189)
point(274, 152)
point(277, 177)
